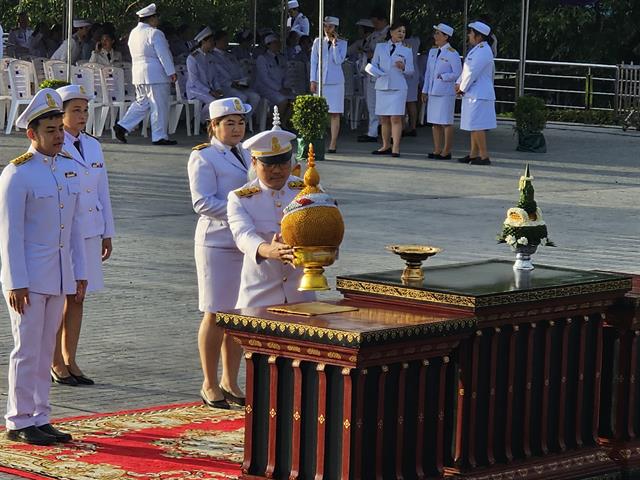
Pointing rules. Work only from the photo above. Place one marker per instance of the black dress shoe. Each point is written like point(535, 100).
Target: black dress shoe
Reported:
point(464, 159)
point(230, 397)
point(120, 132)
point(480, 161)
point(54, 432)
point(165, 141)
point(331, 150)
point(443, 157)
point(395, 155)
point(82, 380)
point(31, 435)
point(433, 155)
point(382, 152)
point(367, 138)
point(214, 403)
point(70, 380)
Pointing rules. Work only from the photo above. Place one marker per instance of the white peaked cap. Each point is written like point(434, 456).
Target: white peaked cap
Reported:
point(228, 106)
point(483, 28)
point(45, 101)
point(444, 28)
point(147, 11)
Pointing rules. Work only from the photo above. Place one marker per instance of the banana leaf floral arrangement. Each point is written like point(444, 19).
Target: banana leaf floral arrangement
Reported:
point(524, 225)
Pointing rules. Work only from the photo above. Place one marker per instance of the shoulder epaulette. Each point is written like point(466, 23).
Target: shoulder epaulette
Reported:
point(247, 192)
point(481, 46)
point(65, 154)
point(451, 49)
point(24, 158)
point(296, 185)
point(201, 146)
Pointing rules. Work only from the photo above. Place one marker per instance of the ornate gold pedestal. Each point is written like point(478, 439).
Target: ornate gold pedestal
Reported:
point(313, 259)
point(413, 255)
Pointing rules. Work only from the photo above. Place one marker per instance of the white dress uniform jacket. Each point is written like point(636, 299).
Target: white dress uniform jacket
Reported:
point(61, 52)
point(201, 76)
point(228, 70)
point(392, 77)
point(300, 23)
point(103, 57)
point(332, 60)
point(214, 172)
point(270, 74)
point(39, 226)
point(442, 71)
point(151, 59)
point(254, 218)
point(476, 80)
point(96, 215)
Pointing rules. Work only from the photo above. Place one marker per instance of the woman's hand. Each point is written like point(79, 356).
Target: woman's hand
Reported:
point(423, 97)
point(313, 87)
point(107, 248)
point(399, 65)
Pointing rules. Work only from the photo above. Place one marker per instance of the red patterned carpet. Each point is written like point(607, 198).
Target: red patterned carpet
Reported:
point(163, 443)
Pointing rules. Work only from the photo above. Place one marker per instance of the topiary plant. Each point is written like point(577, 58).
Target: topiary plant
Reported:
point(53, 84)
point(531, 117)
point(310, 116)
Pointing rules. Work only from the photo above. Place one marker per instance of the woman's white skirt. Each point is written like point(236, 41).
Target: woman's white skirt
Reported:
point(218, 277)
point(93, 263)
point(477, 114)
point(440, 109)
point(391, 102)
point(334, 93)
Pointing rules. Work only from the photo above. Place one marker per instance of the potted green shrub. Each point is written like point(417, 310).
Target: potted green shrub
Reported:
point(311, 120)
point(53, 84)
point(531, 117)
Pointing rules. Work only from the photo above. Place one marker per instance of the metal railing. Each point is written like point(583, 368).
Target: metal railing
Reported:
point(586, 86)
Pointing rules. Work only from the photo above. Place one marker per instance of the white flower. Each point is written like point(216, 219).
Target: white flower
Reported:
point(523, 241)
point(510, 239)
point(543, 241)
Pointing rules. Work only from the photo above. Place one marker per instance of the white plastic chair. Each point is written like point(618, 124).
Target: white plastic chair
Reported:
point(113, 96)
point(91, 80)
point(55, 70)
point(181, 96)
point(129, 89)
point(20, 89)
point(353, 94)
point(38, 70)
point(175, 110)
point(5, 96)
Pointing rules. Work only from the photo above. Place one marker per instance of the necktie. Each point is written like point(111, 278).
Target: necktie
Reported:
point(78, 147)
point(277, 60)
point(108, 56)
point(235, 151)
point(393, 49)
point(439, 52)
point(329, 43)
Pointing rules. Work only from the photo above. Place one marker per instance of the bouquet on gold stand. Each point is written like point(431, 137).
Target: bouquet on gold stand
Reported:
point(524, 229)
point(312, 224)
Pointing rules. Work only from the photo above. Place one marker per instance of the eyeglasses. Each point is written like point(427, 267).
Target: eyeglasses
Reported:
point(274, 166)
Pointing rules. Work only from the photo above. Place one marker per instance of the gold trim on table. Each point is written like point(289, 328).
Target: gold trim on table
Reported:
point(479, 302)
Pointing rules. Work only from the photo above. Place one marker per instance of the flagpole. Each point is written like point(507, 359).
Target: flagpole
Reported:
point(524, 33)
point(320, 44)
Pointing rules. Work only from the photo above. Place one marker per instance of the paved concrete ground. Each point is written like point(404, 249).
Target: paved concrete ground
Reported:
point(139, 335)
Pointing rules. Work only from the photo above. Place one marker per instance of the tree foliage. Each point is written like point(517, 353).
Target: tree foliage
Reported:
point(606, 32)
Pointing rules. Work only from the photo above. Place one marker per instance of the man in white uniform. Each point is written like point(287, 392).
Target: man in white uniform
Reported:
point(153, 72)
point(43, 259)
point(80, 34)
point(255, 212)
point(379, 35)
point(297, 21)
point(20, 38)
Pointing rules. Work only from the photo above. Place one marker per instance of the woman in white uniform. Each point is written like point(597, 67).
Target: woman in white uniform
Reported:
point(413, 80)
point(96, 219)
point(215, 169)
point(392, 61)
point(442, 70)
point(334, 52)
point(478, 96)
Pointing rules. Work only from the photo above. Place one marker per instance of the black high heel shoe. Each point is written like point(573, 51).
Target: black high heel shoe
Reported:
point(70, 380)
point(230, 397)
point(214, 403)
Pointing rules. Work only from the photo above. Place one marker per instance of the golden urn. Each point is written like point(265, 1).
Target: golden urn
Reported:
point(312, 224)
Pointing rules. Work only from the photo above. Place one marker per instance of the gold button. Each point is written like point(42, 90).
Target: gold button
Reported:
point(91, 209)
point(61, 227)
point(59, 187)
point(61, 245)
point(278, 204)
point(45, 160)
point(284, 279)
point(86, 172)
point(88, 190)
point(53, 169)
point(62, 205)
point(273, 194)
